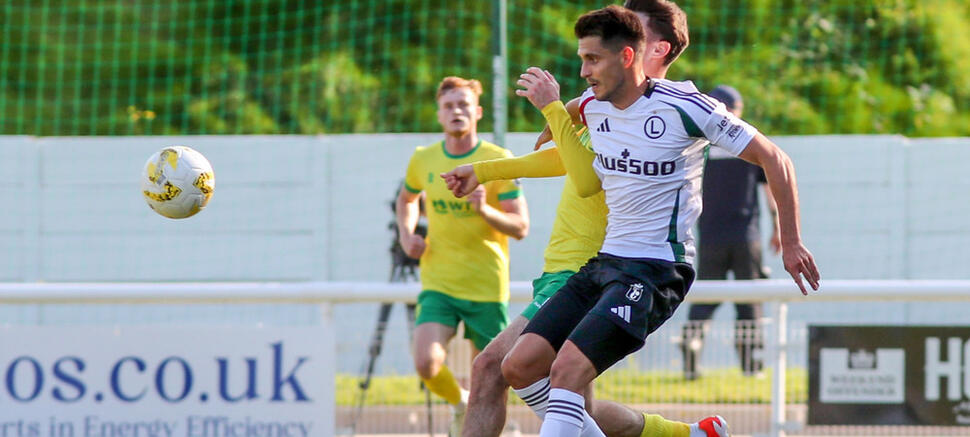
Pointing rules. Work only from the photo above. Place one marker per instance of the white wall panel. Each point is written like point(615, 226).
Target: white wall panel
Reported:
point(301, 207)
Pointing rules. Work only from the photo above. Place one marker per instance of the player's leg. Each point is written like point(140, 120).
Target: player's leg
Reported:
point(638, 297)
point(571, 373)
point(617, 420)
point(486, 325)
point(488, 394)
point(614, 419)
point(487, 401)
point(528, 364)
point(436, 324)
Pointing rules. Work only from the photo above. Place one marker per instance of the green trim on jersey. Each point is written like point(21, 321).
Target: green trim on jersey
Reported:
point(411, 190)
point(689, 124)
point(510, 195)
point(445, 149)
point(676, 246)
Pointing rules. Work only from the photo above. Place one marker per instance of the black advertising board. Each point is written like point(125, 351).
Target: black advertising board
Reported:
point(889, 375)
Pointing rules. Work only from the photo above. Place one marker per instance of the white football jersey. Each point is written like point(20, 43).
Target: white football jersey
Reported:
point(650, 157)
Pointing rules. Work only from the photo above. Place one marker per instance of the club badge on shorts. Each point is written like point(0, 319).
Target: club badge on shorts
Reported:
point(634, 292)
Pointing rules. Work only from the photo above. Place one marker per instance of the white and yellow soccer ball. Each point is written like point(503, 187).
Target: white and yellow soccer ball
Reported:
point(177, 182)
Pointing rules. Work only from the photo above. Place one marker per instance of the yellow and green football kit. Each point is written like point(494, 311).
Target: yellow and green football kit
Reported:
point(580, 223)
point(465, 258)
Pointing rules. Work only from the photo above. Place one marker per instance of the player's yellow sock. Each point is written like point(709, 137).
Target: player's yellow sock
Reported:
point(656, 426)
point(445, 385)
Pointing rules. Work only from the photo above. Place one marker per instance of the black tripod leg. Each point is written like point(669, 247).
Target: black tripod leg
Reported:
point(377, 342)
point(411, 310)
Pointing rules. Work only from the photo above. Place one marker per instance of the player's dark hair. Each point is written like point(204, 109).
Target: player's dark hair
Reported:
point(666, 20)
point(616, 26)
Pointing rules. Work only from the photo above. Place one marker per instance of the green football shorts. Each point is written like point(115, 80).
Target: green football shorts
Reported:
point(543, 288)
point(483, 320)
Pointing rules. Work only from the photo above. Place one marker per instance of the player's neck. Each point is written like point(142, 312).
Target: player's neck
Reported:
point(460, 145)
point(634, 87)
point(658, 72)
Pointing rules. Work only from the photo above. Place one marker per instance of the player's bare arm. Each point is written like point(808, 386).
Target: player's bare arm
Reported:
point(512, 219)
point(780, 174)
point(408, 211)
point(775, 241)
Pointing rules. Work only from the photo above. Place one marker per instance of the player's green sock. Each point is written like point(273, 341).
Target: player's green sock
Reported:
point(656, 426)
point(445, 385)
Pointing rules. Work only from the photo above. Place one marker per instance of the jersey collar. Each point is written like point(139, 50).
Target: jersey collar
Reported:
point(448, 154)
point(651, 84)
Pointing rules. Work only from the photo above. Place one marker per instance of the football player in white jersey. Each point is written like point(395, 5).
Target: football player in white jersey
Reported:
point(649, 137)
point(665, 26)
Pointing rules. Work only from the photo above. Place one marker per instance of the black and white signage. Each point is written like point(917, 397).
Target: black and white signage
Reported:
point(889, 375)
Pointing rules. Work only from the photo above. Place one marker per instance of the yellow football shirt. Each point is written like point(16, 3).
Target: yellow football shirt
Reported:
point(465, 257)
point(580, 223)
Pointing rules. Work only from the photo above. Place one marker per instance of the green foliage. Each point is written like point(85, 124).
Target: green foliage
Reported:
point(103, 67)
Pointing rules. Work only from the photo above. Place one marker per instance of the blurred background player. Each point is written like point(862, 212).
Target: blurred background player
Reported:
point(729, 235)
point(464, 259)
point(577, 235)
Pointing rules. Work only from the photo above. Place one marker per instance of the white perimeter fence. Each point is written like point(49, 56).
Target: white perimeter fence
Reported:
point(783, 340)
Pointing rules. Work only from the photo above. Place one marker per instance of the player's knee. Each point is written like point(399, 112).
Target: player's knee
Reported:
point(487, 368)
point(559, 371)
point(571, 372)
point(427, 366)
point(515, 370)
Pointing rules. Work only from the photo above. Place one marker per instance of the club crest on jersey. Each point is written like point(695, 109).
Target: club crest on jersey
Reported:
point(654, 127)
point(635, 292)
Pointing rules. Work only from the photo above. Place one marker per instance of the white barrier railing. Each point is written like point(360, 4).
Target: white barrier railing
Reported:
point(777, 292)
point(769, 290)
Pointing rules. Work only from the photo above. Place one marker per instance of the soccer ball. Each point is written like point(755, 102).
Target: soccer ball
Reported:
point(177, 182)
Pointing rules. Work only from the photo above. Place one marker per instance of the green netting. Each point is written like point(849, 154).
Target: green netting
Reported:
point(122, 67)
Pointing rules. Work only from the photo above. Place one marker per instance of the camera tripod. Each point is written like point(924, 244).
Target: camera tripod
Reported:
point(403, 270)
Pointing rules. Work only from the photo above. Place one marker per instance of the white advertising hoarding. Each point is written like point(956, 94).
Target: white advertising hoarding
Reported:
point(162, 381)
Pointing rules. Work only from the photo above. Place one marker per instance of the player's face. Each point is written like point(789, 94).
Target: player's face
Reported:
point(602, 68)
point(458, 111)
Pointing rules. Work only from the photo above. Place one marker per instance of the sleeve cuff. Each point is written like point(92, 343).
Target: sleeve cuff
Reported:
point(553, 107)
point(411, 190)
point(510, 195)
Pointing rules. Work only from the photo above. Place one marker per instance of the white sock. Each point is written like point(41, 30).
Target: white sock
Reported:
point(536, 396)
point(567, 417)
point(590, 428)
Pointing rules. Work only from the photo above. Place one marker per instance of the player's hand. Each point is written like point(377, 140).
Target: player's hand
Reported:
point(540, 87)
point(477, 199)
point(544, 137)
point(799, 263)
point(413, 245)
point(461, 180)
